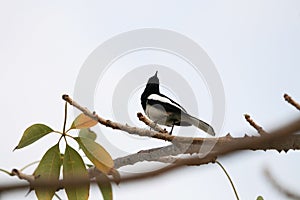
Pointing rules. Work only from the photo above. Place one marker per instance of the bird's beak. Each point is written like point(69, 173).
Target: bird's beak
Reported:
point(156, 73)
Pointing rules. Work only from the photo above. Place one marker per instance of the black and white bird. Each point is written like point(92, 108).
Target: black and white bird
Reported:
point(163, 110)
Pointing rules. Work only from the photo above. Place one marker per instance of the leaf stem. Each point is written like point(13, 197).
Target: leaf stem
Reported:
point(68, 130)
point(60, 139)
point(58, 132)
point(58, 197)
point(67, 135)
point(65, 119)
point(7, 172)
point(65, 139)
point(231, 182)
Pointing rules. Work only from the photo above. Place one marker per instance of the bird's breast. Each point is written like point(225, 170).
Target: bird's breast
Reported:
point(158, 114)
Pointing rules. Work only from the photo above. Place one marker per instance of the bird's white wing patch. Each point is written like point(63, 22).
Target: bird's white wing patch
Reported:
point(164, 99)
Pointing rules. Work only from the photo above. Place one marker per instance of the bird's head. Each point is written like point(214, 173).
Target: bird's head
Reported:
point(153, 79)
point(152, 86)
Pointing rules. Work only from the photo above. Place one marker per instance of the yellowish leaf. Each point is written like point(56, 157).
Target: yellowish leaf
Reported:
point(83, 121)
point(96, 154)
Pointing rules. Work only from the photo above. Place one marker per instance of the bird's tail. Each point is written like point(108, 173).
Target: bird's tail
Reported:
point(198, 123)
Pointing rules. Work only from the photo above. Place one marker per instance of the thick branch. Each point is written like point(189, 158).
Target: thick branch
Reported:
point(290, 142)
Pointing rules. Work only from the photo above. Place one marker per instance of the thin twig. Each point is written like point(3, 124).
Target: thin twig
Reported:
point(291, 101)
point(22, 176)
point(119, 126)
point(150, 123)
point(259, 129)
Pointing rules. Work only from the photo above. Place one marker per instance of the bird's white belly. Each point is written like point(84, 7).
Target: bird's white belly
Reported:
point(157, 114)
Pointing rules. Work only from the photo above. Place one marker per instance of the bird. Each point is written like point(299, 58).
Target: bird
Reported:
point(165, 111)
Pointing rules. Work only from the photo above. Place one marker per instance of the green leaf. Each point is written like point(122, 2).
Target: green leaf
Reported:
point(96, 154)
point(32, 134)
point(87, 133)
point(104, 186)
point(74, 170)
point(259, 198)
point(48, 170)
point(83, 121)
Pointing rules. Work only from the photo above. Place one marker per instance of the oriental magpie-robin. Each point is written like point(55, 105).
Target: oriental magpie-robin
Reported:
point(163, 110)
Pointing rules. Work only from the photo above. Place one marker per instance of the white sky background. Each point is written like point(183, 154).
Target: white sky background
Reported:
point(255, 46)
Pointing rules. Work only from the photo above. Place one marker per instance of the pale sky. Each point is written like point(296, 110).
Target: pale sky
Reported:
point(254, 46)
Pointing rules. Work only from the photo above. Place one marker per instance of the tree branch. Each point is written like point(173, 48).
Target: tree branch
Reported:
point(116, 125)
point(195, 143)
point(280, 139)
point(275, 136)
point(291, 101)
point(259, 129)
point(150, 123)
point(189, 145)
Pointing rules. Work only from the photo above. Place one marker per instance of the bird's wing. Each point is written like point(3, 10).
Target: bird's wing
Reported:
point(174, 103)
point(168, 104)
